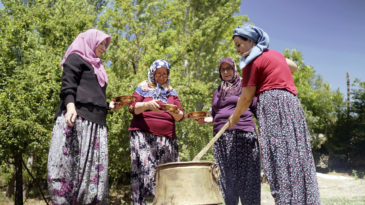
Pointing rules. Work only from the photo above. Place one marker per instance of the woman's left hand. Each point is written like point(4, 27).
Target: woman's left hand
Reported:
point(176, 114)
point(173, 112)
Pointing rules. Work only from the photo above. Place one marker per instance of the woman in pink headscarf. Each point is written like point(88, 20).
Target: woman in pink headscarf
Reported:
point(78, 155)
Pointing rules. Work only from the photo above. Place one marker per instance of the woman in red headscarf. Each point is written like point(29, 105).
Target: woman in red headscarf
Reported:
point(78, 155)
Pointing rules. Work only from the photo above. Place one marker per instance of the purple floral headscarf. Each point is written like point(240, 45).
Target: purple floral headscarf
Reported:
point(232, 87)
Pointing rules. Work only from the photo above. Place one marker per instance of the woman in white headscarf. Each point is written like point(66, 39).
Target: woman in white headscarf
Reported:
point(152, 134)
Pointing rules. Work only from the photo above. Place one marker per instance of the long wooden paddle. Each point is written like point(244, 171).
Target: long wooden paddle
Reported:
point(215, 138)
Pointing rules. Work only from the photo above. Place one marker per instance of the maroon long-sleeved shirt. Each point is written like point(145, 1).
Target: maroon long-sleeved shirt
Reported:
point(161, 124)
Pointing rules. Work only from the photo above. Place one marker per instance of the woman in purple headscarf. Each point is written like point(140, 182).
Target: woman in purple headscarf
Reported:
point(236, 151)
point(78, 155)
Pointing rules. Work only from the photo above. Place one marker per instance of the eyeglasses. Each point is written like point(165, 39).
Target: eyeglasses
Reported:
point(103, 44)
point(158, 75)
point(222, 70)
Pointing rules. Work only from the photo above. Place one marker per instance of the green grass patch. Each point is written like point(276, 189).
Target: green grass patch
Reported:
point(343, 201)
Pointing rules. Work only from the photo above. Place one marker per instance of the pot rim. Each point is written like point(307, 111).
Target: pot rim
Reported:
point(184, 164)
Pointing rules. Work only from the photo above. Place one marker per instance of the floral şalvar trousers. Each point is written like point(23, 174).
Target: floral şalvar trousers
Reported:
point(286, 151)
point(148, 151)
point(238, 156)
point(77, 170)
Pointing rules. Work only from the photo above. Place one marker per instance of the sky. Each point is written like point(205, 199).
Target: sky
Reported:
point(329, 33)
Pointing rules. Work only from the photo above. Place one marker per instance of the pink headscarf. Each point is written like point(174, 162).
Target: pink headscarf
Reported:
point(84, 45)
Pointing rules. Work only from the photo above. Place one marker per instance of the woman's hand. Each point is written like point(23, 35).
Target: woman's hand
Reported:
point(115, 106)
point(200, 121)
point(176, 114)
point(70, 114)
point(173, 112)
point(152, 105)
point(233, 120)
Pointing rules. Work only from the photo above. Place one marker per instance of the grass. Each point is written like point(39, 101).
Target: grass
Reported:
point(332, 192)
point(343, 201)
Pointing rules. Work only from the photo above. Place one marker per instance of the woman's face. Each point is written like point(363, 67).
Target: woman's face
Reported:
point(100, 49)
point(161, 75)
point(242, 46)
point(226, 71)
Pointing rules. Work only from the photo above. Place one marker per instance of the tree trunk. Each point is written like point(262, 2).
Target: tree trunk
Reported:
point(10, 190)
point(187, 18)
point(19, 179)
point(348, 93)
point(26, 184)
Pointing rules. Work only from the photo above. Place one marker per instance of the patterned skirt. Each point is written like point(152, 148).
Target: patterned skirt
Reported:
point(78, 163)
point(238, 156)
point(286, 152)
point(148, 151)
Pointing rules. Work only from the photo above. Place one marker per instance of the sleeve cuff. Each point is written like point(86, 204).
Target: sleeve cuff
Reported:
point(69, 99)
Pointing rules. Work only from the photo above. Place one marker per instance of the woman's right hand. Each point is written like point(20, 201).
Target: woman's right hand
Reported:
point(70, 114)
point(201, 121)
point(152, 105)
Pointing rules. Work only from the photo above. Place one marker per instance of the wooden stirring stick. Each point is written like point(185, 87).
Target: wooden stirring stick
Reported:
point(215, 138)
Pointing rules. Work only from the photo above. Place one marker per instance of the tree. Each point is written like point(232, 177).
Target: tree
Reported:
point(33, 38)
point(320, 103)
point(347, 136)
point(192, 36)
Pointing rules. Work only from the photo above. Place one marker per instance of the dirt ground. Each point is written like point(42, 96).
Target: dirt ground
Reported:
point(334, 190)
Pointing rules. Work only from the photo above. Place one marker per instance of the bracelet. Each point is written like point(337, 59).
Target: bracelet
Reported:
point(144, 107)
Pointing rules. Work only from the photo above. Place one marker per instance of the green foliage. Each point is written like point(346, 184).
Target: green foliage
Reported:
point(346, 138)
point(321, 104)
point(354, 172)
point(33, 39)
point(192, 36)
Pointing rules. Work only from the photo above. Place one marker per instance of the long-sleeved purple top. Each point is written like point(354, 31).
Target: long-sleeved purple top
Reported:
point(222, 110)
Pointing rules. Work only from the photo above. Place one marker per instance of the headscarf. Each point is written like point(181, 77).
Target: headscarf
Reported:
point(232, 87)
point(256, 35)
point(84, 45)
point(151, 88)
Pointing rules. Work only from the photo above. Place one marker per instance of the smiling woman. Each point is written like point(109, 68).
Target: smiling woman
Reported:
point(78, 155)
point(152, 134)
point(226, 71)
point(237, 150)
point(100, 49)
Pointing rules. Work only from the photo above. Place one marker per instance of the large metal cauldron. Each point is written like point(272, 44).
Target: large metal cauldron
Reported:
point(187, 183)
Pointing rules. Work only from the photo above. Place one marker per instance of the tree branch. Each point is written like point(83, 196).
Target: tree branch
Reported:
point(39, 187)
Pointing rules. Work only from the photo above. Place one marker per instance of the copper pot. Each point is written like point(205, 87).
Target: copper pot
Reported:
point(187, 183)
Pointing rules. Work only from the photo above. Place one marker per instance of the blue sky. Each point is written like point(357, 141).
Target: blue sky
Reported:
point(329, 33)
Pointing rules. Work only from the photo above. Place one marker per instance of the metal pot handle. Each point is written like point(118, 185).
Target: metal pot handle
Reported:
point(154, 176)
point(216, 172)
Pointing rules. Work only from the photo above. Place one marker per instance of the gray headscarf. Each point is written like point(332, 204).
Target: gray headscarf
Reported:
point(256, 35)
